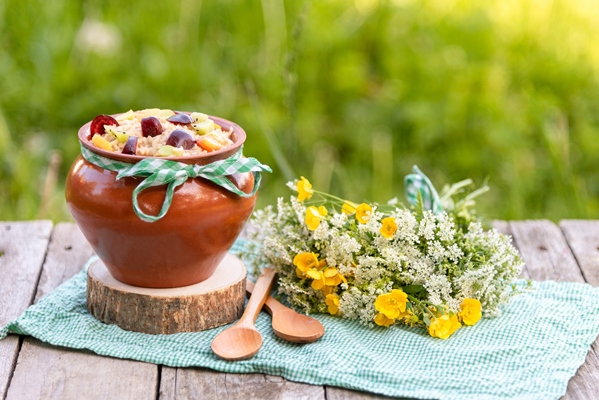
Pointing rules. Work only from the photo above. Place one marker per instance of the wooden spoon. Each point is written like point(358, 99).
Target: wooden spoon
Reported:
point(242, 340)
point(289, 325)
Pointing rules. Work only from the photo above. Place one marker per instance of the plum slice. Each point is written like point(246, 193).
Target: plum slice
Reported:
point(130, 145)
point(181, 119)
point(97, 125)
point(151, 126)
point(179, 138)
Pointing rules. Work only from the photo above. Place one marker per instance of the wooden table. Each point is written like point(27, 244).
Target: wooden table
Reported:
point(36, 257)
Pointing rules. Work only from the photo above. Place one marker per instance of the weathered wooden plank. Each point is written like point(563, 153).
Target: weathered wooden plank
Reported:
point(504, 228)
point(49, 372)
point(9, 349)
point(67, 253)
point(335, 393)
point(22, 250)
point(585, 384)
point(548, 256)
point(168, 384)
point(44, 371)
point(196, 383)
point(545, 251)
point(583, 238)
point(23, 246)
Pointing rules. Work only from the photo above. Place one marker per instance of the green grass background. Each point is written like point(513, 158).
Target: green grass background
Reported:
point(349, 94)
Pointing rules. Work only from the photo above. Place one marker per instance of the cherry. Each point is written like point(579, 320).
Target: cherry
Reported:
point(97, 125)
point(181, 119)
point(130, 145)
point(151, 126)
point(179, 138)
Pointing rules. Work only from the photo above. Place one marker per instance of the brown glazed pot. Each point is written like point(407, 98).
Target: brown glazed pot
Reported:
point(182, 248)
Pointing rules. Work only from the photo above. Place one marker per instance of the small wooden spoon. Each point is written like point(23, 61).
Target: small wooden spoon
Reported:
point(289, 325)
point(242, 340)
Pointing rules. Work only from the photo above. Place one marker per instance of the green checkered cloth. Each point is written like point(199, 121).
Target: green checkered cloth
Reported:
point(159, 172)
point(419, 188)
point(530, 352)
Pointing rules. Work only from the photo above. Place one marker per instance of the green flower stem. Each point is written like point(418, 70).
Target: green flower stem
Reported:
point(325, 197)
point(422, 305)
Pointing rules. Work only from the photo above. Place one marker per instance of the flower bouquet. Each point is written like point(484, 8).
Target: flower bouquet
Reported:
point(430, 264)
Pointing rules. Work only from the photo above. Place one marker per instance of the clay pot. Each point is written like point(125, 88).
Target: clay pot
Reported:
point(182, 248)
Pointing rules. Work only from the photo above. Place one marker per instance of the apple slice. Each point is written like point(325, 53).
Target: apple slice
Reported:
point(128, 116)
point(168, 151)
point(148, 112)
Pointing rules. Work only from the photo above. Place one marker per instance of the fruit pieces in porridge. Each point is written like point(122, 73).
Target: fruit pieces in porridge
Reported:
point(159, 133)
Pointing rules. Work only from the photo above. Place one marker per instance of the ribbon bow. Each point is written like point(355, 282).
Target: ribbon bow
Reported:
point(172, 173)
point(418, 183)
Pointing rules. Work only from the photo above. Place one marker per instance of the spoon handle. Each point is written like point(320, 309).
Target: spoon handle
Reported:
point(258, 297)
point(270, 305)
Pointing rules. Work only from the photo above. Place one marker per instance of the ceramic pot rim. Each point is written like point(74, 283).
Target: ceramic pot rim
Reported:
point(238, 138)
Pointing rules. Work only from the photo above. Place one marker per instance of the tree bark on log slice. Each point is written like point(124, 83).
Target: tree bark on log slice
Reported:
point(216, 301)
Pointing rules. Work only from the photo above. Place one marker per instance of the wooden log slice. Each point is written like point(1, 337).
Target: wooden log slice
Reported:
point(214, 302)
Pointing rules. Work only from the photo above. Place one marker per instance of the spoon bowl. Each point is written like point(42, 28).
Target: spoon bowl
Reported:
point(242, 340)
point(228, 346)
point(288, 324)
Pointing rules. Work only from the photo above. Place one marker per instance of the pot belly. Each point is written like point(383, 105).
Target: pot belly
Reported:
point(182, 248)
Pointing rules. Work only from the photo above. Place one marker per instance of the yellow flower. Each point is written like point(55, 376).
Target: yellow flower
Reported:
point(326, 290)
point(332, 301)
point(314, 216)
point(444, 326)
point(391, 304)
point(348, 207)
point(318, 276)
point(363, 213)
point(389, 227)
point(305, 261)
point(304, 189)
point(332, 277)
point(382, 320)
point(470, 311)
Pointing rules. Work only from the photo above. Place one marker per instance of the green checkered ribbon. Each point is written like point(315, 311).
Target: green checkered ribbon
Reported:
point(171, 173)
point(418, 185)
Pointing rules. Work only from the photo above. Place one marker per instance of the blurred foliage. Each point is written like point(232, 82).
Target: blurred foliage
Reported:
point(348, 94)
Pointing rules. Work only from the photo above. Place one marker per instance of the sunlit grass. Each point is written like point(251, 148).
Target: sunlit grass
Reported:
point(348, 94)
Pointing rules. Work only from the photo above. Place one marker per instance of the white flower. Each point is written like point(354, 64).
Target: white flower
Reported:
point(426, 228)
point(445, 226)
point(451, 262)
point(436, 251)
point(438, 288)
point(373, 225)
point(341, 250)
point(322, 232)
point(454, 253)
point(338, 220)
